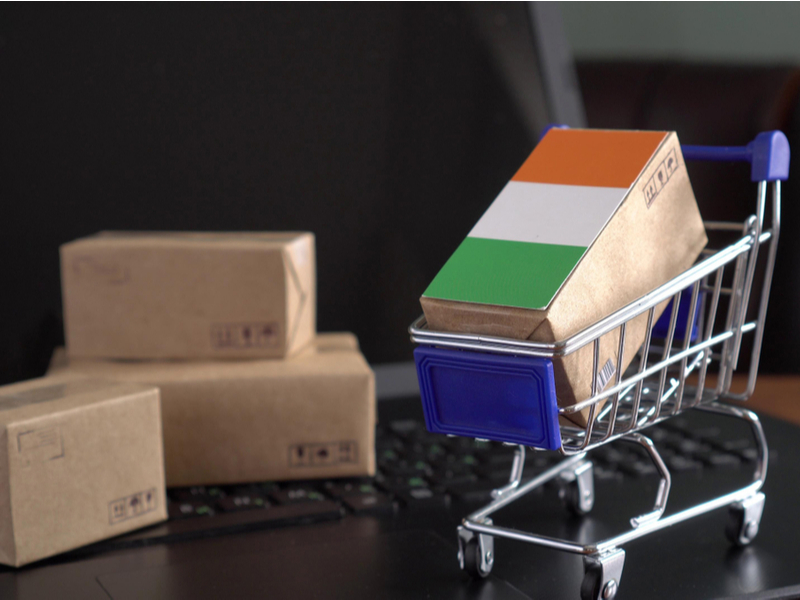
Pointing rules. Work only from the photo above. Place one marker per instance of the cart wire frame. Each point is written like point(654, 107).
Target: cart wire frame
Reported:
point(661, 381)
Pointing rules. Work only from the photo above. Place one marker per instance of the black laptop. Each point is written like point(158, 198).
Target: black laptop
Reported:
point(394, 536)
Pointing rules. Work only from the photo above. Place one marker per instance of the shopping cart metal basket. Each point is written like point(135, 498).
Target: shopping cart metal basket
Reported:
point(503, 389)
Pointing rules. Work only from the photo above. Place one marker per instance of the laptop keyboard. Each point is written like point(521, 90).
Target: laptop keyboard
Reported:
point(418, 469)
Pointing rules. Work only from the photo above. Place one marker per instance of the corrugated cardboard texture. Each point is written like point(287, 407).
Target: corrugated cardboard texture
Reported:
point(643, 246)
point(310, 416)
point(189, 295)
point(81, 460)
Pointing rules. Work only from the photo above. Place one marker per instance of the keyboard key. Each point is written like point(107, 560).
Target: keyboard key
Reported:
point(657, 434)
point(187, 509)
point(681, 463)
point(448, 477)
point(539, 461)
point(375, 503)
point(502, 457)
point(407, 468)
point(241, 502)
point(719, 459)
point(638, 468)
point(452, 469)
point(423, 498)
point(606, 473)
point(499, 476)
point(478, 491)
point(611, 455)
point(707, 433)
point(296, 495)
point(690, 447)
point(401, 484)
point(197, 493)
point(435, 451)
point(469, 460)
point(405, 427)
point(338, 489)
point(388, 455)
point(749, 454)
point(263, 488)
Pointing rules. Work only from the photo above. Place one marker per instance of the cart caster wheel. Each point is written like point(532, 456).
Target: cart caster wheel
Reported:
point(602, 575)
point(577, 489)
point(475, 552)
point(744, 519)
point(473, 565)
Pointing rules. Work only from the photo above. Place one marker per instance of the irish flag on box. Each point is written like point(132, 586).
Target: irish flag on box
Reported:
point(536, 231)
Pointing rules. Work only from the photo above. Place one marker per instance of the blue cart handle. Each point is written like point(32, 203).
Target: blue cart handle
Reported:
point(768, 154)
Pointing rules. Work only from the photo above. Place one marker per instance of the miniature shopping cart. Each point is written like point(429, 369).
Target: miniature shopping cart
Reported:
point(503, 389)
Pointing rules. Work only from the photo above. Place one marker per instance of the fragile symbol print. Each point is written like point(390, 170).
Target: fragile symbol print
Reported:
point(659, 180)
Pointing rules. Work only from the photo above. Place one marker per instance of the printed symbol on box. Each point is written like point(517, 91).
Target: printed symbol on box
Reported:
point(319, 455)
point(265, 335)
point(348, 452)
point(659, 180)
point(299, 456)
point(322, 455)
point(40, 445)
point(136, 504)
point(116, 511)
point(244, 335)
point(131, 506)
point(650, 192)
point(671, 163)
point(150, 500)
point(90, 269)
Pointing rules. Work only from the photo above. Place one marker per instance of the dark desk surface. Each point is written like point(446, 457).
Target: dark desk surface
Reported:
point(414, 554)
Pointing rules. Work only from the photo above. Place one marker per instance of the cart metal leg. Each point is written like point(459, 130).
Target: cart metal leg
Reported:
point(604, 560)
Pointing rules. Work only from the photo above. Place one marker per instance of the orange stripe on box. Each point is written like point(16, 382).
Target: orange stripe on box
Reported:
point(591, 157)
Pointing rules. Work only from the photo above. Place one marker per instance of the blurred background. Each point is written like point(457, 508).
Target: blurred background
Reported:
point(386, 129)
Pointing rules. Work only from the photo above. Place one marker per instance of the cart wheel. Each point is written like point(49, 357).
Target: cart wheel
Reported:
point(594, 588)
point(577, 489)
point(475, 551)
point(602, 575)
point(477, 568)
point(744, 519)
point(592, 579)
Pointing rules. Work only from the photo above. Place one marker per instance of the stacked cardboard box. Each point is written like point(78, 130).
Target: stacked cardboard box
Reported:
point(173, 309)
point(80, 461)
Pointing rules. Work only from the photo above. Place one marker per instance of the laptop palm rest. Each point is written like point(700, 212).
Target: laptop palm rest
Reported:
point(396, 566)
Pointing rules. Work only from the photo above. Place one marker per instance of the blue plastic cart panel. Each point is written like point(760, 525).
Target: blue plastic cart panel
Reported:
point(502, 398)
point(661, 328)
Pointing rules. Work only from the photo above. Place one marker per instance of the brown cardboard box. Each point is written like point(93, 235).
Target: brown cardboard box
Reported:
point(188, 295)
point(80, 460)
point(548, 217)
point(309, 416)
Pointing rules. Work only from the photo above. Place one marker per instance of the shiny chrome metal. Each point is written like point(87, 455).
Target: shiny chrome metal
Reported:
point(663, 487)
point(516, 473)
point(642, 525)
point(581, 476)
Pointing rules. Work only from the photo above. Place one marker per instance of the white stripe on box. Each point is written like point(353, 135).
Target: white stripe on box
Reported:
point(548, 213)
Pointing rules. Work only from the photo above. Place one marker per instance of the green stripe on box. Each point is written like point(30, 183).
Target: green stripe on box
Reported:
point(520, 274)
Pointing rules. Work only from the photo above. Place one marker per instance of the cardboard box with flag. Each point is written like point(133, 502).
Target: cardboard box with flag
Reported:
point(590, 222)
